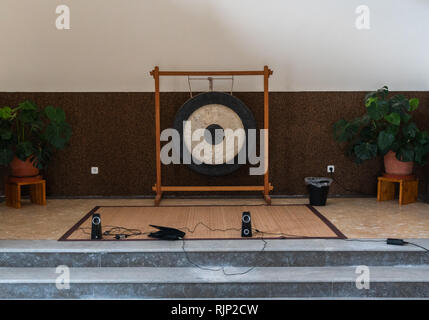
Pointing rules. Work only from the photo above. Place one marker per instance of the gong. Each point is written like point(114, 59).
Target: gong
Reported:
point(213, 113)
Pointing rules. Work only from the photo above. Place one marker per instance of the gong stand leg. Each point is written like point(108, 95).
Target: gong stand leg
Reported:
point(267, 198)
point(158, 198)
point(157, 137)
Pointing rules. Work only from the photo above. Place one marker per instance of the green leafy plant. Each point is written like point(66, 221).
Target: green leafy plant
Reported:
point(387, 125)
point(28, 131)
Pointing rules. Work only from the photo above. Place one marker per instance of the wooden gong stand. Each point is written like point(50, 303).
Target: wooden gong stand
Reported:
point(158, 187)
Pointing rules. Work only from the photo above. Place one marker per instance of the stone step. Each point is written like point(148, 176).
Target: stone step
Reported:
point(238, 253)
point(261, 282)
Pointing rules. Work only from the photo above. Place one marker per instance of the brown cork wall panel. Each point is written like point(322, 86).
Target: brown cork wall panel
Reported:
point(115, 131)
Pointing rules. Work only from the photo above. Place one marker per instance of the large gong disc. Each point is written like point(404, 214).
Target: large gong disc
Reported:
point(214, 113)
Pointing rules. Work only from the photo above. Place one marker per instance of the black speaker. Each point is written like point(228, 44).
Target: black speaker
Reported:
point(246, 225)
point(96, 232)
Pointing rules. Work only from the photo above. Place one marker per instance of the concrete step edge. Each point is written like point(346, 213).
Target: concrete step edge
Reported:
point(251, 245)
point(404, 274)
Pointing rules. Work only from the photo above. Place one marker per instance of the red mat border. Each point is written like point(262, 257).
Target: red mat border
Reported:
point(325, 220)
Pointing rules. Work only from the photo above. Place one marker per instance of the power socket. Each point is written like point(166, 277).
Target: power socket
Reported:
point(330, 168)
point(94, 170)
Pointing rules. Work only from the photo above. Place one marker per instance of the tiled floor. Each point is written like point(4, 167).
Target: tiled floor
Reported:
point(355, 217)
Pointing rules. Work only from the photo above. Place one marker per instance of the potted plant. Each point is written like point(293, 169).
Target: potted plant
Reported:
point(386, 129)
point(29, 135)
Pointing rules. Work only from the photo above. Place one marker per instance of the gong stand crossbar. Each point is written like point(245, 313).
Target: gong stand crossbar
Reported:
point(158, 187)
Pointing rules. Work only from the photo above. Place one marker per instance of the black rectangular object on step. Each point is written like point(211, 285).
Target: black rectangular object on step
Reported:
point(246, 225)
point(96, 232)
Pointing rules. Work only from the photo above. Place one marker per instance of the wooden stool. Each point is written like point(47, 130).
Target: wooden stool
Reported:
point(408, 189)
point(37, 192)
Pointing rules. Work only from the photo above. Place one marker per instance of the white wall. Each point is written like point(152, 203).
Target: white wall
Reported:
point(310, 44)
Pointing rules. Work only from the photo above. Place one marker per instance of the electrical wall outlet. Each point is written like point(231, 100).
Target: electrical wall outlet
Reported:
point(94, 170)
point(330, 168)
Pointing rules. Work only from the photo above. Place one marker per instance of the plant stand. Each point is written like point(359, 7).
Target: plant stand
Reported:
point(408, 189)
point(37, 192)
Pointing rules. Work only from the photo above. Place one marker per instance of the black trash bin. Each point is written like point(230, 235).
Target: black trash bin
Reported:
point(318, 188)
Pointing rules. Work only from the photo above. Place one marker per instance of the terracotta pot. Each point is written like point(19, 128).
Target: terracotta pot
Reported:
point(395, 167)
point(23, 168)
